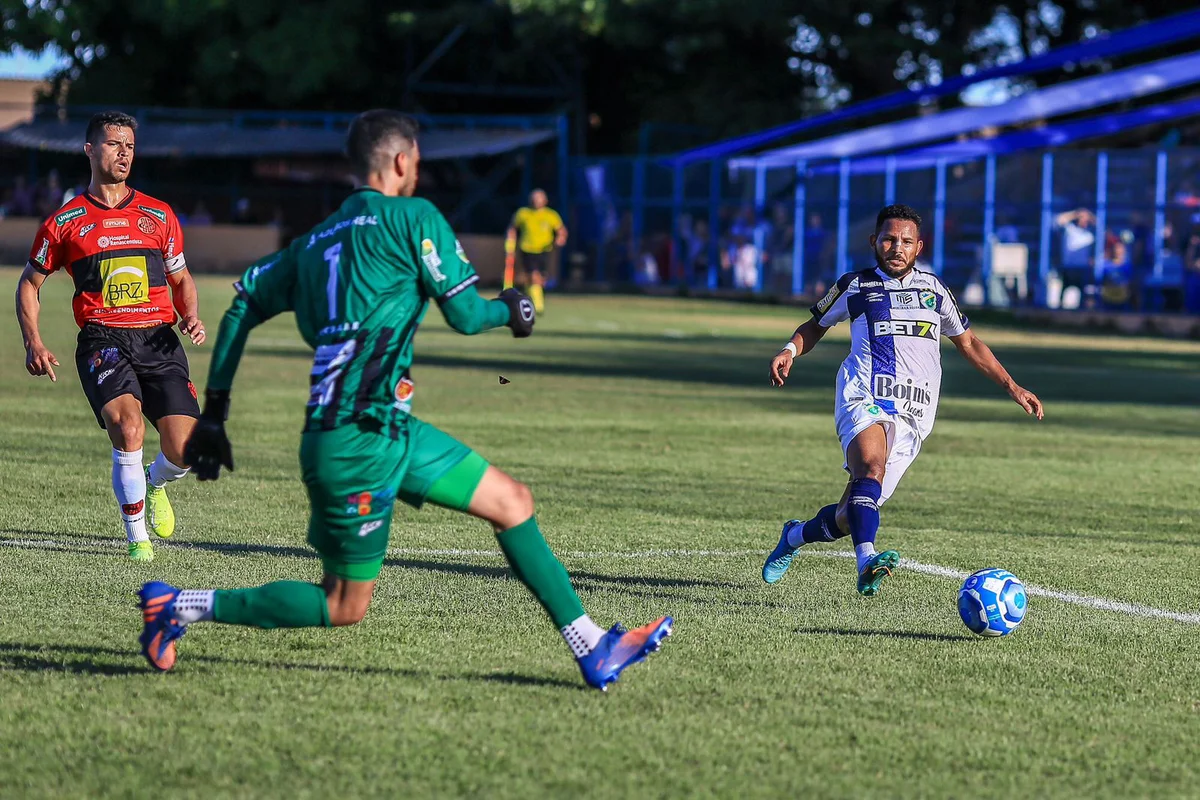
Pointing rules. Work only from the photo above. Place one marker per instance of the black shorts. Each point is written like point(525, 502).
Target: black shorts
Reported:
point(535, 262)
point(148, 363)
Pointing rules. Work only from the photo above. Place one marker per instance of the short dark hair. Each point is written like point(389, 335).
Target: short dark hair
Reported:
point(371, 131)
point(898, 211)
point(104, 119)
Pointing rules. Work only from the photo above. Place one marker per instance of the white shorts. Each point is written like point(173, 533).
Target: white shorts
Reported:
point(904, 443)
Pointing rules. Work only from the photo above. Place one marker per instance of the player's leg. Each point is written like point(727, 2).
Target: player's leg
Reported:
point(126, 430)
point(537, 280)
point(169, 402)
point(446, 472)
point(350, 474)
point(867, 458)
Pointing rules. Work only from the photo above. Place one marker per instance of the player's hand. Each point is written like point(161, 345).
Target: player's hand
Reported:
point(193, 328)
point(208, 448)
point(520, 312)
point(1027, 400)
point(781, 365)
point(40, 361)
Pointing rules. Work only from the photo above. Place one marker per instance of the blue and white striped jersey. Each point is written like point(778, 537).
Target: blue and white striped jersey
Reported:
point(895, 359)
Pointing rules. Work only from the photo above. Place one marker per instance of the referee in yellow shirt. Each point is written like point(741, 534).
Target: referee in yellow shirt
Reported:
point(534, 233)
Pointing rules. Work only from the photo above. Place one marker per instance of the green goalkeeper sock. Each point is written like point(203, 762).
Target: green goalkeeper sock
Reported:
point(542, 573)
point(283, 604)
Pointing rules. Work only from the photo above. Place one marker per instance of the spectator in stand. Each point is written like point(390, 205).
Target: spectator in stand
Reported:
point(1191, 273)
point(1078, 247)
point(23, 200)
point(50, 196)
point(200, 215)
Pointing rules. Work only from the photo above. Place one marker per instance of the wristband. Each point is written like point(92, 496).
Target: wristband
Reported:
point(216, 404)
point(791, 348)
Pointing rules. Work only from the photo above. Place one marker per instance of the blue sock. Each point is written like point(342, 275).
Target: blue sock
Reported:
point(822, 527)
point(862, 511)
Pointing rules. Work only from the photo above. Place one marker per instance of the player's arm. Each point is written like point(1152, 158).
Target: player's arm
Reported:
point(560, 233)
point(827, 312)
point(265, 290)
point(448, 277)
point(38, 358)
point(980, 356)
point(187, 303)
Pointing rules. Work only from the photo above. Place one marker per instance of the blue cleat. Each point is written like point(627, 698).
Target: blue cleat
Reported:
point(619, 649)
point(159, 630)
point(781, 557)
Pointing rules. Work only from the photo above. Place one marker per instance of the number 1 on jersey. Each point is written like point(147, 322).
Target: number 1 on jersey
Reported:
point(332, 254)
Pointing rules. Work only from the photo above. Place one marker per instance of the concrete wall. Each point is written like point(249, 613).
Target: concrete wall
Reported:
point(16, 101)
point(229, 248)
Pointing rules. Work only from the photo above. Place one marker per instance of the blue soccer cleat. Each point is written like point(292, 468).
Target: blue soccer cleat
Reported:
point(159, 630)
point(619, 649)
point(781, 557)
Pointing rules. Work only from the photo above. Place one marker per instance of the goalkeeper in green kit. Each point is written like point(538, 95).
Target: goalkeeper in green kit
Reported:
point(359, 284)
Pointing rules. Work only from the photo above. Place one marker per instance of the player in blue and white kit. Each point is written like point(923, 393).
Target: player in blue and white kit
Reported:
point(887, 388)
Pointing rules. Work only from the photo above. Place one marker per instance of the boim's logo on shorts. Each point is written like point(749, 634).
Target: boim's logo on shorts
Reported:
point(125, 281)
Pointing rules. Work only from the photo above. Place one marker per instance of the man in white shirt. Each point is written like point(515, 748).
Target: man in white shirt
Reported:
point(887, 388)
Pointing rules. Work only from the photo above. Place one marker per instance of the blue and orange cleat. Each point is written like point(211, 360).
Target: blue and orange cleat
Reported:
point(874, 571)
point(619, 649)
point(159, 630)
point(781, 557)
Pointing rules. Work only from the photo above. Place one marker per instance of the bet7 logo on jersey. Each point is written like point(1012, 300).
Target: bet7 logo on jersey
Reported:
point(905, 327)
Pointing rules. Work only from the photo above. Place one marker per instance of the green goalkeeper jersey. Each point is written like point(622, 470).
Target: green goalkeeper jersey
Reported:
point(359, 284)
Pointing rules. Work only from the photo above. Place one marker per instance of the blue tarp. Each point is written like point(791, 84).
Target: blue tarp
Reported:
point(1053, 101)
point(183, 140)
point(1158, 33)
point(1037, 139)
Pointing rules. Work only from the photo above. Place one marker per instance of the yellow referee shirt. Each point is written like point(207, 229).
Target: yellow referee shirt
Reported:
point(536, 228)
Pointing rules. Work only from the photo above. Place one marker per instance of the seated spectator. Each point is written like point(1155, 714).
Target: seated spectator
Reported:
point(1078, 246)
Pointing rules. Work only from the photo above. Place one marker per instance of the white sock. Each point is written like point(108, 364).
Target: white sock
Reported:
point(864, 552)
point(582, 636)
point(194, 605)
point(795, 535)
point(162, 472)
point(129, 485)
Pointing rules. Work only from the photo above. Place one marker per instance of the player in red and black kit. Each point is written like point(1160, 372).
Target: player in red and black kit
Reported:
point(124, 251)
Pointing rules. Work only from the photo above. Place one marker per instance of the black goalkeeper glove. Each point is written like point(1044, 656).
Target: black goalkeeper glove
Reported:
point(520, 312)
point(208, 448)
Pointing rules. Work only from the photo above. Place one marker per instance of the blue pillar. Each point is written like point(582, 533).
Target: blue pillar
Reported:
point(714, 221)
point(1047, 223)
point(1101, 213)
point(676, 234)
point(564, 200)
point(760, 202)
point(843, 216)
point(1160, 210)
point(639, 207)
point(989, 219)
point(939, 219)
point(889, 180)
point(798, 228)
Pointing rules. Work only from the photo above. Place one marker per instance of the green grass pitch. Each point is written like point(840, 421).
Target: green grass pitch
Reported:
point(663, 466)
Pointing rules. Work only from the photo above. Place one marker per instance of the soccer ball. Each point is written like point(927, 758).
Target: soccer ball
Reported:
point(992, 602)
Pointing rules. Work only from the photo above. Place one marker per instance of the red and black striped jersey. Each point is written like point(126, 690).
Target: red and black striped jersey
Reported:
point(119, 258)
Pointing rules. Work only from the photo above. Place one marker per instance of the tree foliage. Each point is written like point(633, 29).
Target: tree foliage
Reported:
point(725, 65)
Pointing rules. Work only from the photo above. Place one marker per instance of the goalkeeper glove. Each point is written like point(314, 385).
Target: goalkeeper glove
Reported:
point(208, 447)
point(520, 312)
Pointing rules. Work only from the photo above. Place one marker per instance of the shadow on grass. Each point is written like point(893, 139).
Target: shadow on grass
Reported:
point(80, 660)
point(916, 635)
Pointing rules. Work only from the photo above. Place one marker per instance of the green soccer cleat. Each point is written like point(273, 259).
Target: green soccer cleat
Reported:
point(879, 567)
point(141, 551)
point(160, 517)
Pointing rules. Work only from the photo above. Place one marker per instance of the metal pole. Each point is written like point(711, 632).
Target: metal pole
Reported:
point(798, 229)
point(639, 208)
point(676, 213)
point(889, 181)
point(714, 221)
point(1101, 213)
point(843, 216)
point(1160, 210)
point(939, 219)
point(760, 201)
point(989, 219)
point(1047, 222)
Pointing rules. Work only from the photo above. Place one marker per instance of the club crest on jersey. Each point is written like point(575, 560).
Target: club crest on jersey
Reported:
point(67, 216)
point(431, 259)
point(404, 392)
point(146, 225)
point(928, 299)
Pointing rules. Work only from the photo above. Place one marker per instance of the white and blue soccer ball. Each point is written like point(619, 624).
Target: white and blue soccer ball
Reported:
point(992, 602)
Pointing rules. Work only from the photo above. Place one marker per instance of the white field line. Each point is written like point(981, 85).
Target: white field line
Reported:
point(1087, 601)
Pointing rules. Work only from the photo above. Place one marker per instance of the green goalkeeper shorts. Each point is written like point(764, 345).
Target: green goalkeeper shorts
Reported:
point(355, 473)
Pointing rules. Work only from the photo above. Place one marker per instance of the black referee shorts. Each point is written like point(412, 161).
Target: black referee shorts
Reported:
point(148, 363)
